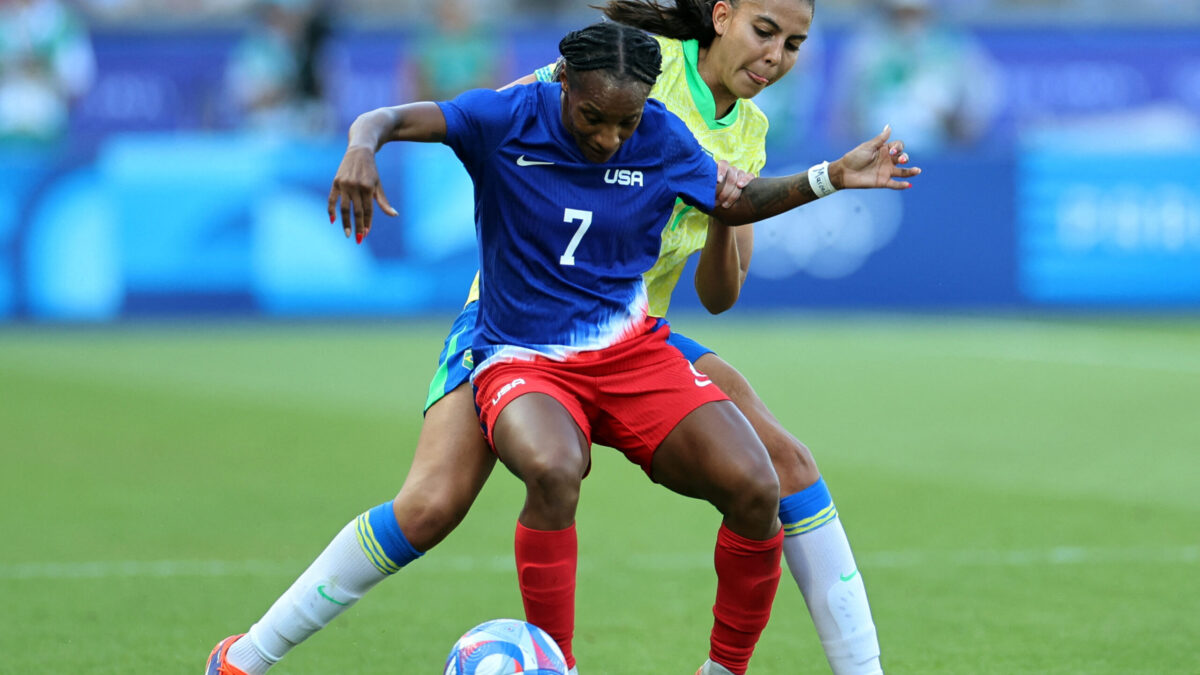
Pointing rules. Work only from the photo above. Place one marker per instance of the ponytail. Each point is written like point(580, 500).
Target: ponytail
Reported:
point(687, 20)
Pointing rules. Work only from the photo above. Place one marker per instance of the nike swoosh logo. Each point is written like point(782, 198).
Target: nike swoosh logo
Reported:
point(848, 577)
point(521, 161)
point(323, 594)
point(702, 383)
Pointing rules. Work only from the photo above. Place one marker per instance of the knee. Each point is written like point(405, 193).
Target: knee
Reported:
point(428, 518)
point(552, 480)
point(755, 500)
point(793, 461)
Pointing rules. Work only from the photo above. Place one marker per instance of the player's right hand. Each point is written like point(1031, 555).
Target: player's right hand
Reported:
point(730, 181)
point(356, 186)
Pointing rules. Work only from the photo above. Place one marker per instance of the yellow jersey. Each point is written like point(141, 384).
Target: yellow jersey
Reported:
point(738, 138)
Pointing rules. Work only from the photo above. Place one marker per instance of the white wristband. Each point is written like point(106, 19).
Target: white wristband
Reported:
point(818, 179)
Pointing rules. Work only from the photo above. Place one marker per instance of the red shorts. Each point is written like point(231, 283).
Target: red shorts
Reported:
point(628, 396)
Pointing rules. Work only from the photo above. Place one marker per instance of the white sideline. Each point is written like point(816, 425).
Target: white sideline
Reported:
point(1061, 555)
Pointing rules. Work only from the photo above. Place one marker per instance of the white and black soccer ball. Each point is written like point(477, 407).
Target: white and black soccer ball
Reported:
point(505, 647)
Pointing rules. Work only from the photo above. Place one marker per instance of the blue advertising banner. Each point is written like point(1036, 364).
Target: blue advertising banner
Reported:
point(1108, 228)
point(171, 223)
point(157, 203)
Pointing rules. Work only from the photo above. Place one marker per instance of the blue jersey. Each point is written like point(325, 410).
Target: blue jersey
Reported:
point(563, 241)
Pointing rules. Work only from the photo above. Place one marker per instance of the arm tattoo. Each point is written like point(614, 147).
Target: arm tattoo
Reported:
point(766, 197)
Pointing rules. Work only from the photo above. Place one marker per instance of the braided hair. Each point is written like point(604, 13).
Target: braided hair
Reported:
point(622, 51)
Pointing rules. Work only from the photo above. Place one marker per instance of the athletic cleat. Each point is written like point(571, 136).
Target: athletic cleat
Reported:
point(216, 660)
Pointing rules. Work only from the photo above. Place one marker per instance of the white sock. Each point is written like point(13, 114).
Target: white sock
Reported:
point(823, 565)
point(711, 667)
point(332, 583)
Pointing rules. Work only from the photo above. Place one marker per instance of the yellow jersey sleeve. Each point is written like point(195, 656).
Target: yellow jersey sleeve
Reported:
point(473, 294)
point(739, 138)
point(546, 72)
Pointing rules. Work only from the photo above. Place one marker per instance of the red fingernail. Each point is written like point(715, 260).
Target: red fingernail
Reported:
point(358, 237)
point(332, 219)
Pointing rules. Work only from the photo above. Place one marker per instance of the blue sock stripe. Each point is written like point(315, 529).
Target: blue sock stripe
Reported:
point(387, 532)
point(807, 509)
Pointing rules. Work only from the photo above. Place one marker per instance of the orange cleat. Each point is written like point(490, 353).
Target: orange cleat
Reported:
point(216, 660)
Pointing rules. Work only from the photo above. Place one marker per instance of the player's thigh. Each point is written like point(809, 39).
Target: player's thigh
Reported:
point(714, 454)
point(451, 463)
point(792, 459)
point(538, 439)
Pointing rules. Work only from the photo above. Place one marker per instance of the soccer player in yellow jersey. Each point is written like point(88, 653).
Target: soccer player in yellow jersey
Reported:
point(717, 54)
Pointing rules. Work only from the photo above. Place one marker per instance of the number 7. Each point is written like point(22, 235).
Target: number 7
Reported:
point(585, 221)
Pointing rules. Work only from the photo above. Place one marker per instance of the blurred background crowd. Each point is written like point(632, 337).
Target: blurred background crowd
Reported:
point(155, 151)
point(919, 63)
point(401, 10)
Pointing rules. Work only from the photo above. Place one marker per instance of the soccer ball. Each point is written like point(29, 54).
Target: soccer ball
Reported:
point(505, 647)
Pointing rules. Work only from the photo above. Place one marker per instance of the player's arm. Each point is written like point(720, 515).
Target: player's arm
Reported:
point(724, 261)
point(528, 79)
point(721, 270)
point(874, 164)
point(357, 184)
point(423, 122)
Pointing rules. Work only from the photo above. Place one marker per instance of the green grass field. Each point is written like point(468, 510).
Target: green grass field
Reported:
point(1023, 497)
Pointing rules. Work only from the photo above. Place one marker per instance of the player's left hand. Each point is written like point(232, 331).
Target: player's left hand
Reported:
point(730, 181)
point(874, 164)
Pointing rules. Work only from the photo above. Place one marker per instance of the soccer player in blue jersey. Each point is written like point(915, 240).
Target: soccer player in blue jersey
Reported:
point(384, 539)
point(572, 181)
